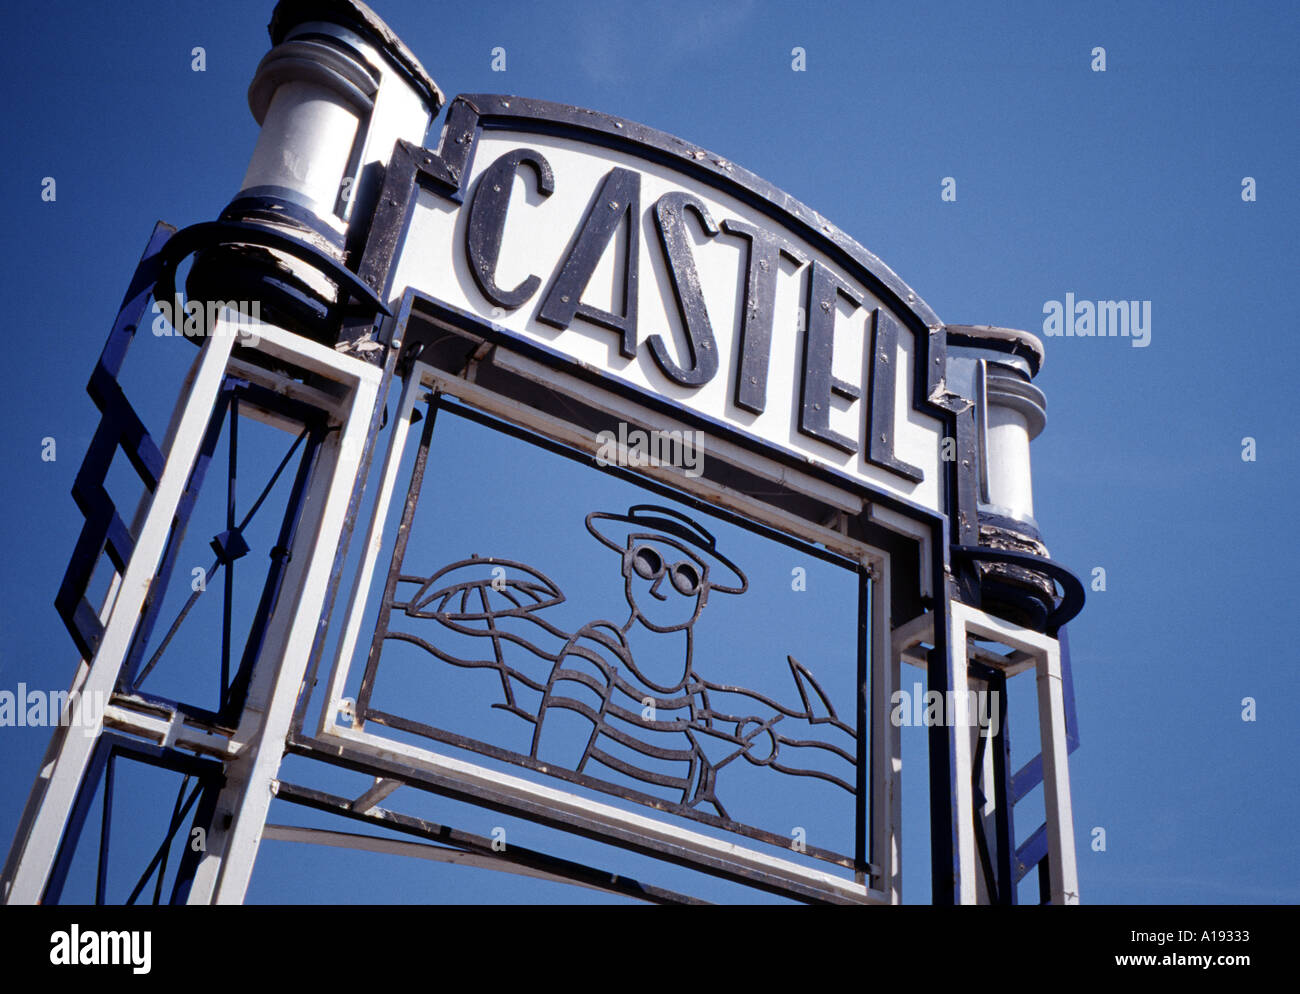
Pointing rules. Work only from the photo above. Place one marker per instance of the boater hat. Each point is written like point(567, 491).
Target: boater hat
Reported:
point(648, 519)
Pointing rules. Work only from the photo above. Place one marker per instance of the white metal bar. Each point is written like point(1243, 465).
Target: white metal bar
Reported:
point(377, 792)
point(990, 627)
point(898, 522)
point(960, 746)
point(224, 847)
point(886, 743)
point(1062, 870)
point(356, 608)
point(110, 598)
point(278, 383)
point(142, 505)
point(171, 730)
point(913, 632)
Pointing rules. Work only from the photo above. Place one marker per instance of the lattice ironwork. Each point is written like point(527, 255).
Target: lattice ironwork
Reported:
point(656, 730)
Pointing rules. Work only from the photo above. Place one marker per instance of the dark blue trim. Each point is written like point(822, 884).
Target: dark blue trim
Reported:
point(104, 529)
point(210, 234)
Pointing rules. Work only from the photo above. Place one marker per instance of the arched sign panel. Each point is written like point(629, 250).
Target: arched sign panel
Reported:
point(670, 271)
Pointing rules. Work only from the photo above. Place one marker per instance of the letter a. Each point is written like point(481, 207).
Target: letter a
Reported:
point(619, 195)
point(1054, 323)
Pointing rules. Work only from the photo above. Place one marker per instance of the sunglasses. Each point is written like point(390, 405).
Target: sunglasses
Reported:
point(685, 576)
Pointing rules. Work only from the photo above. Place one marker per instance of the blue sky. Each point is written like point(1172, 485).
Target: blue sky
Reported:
point(1123, 184)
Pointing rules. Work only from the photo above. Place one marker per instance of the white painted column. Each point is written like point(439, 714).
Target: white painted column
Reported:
point(959, 737)
point(1062, 869)
point(886, 743)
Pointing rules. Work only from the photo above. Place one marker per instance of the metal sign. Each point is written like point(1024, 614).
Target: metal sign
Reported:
point(652, 286)
point(624, 687)
point(637, 258)
point(629, 706)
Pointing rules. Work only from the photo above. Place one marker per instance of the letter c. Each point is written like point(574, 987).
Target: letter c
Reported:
point(487, 221)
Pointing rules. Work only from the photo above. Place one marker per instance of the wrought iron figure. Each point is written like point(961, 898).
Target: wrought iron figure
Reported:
point(624, 700)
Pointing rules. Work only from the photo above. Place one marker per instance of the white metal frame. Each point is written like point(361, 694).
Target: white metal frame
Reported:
point(54, 794)
point(226, 867)
point(1043, 654)
point(886, 849)
point(258, 745)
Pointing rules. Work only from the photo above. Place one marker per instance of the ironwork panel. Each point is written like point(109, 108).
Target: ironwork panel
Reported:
point(491, 655)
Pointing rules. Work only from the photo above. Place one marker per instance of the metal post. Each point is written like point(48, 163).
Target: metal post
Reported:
point(1056, 779)
point(224, 871)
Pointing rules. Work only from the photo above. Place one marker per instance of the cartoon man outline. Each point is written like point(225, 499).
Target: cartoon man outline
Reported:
point(647, 715)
